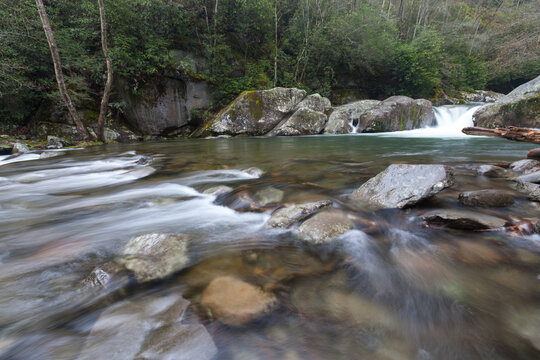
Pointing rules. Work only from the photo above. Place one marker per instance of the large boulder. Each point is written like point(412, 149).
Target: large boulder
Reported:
point(520, 108)
point(315, 102)
point(256, 112)
point(402, 185)
point(151, 327)
point(164, 105)
point(303, 122)
point(398, 113)
point(235, 302)
point(155, 256)
point(344, 119)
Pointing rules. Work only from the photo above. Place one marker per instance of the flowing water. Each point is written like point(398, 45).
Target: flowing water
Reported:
point(404, 292)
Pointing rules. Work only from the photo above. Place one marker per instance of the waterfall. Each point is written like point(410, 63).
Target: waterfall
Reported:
point(450, 120)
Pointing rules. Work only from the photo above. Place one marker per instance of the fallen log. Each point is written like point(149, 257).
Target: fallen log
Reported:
point(511, 133)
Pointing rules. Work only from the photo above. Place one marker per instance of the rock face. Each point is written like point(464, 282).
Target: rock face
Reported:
point(166, 105)
point(520, 108)
point(235, 302)
point(398, 113)
point(344, 116)
point(488, 197)
point(325, 227)
point(466, 220)
point(315, 102)
point(155, 256)
point(148, 328)
point(257, 112)
point(402, 185)
point(481, 96)
point(303, 122)
point(288, 216)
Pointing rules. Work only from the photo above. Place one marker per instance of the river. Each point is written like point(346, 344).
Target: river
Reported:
point(403, 293)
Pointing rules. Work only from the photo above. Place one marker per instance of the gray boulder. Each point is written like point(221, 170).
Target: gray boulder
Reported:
point(325, 227)
point(398, 113)
point(54, 142)
point(288, 216)
point(525, 166)
point(345, 117)
point(152, 327)
point(533, 177)
point(481, 96)
point(402, 185)
point(315, 102)
point(20, 148)
point(520, 108)
point(530, 189)
point(155, 256)
point(488, 197)
point(303, 122)
point(461, 219)
point(256, 112)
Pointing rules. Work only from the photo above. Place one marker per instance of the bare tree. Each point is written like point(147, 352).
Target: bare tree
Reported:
point(106, 92)
point(58, 70)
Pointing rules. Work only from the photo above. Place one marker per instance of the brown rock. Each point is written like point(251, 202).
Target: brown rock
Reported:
point(534, 154)
point(325, 227)
point(235, 302)
point(488, 197)
point(476, 253)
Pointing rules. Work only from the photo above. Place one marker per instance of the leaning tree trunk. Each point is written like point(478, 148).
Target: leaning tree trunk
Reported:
point(58, 70)
point(108, 84)
point(510, 133)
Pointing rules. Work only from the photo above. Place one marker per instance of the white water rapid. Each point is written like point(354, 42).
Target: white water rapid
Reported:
point(450, 121)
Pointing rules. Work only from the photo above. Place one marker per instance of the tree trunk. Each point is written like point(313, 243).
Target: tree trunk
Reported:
point(106, 92)
point(58, 71)
point(510, 133)
point(276, 43)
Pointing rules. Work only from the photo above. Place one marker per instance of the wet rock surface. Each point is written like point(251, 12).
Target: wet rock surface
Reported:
point(525, 166)
point(325, 227)
point(155, 256)
point(289, 215)
point(269, 195)
point(152, 327)
point(303, 122)
point(398, 113)
point(218, 190)
point(110, 276)
point(402, 185)
point(493, 171)
point(344, 116)
point(235, 302)
point(488, 198)
point(534, 154)
point(462, 219)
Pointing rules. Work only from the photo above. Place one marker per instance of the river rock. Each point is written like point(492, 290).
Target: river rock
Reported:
point(54, 142)
point(254, 171)
point(534, 154)
point(398, 113)
point(525, 166)
point(531, 190)
point(402, 185)
point(6, 149)
point(269, 195)
point(303, 122)
point(110, 276)
point(218, 190)
point(235, 302)
point(493, 171)
point(51, 154)
point(481, 96)
point(344, 116)
point(20, 148)
point(325, 227)
point(521, 108)
point(288, 216)
point(316, 103)
point(462, 219)
point(477, 253)
point(155, 256)
point(533, 177)
point(256, 112)
point(152, 327)
point(488, 197)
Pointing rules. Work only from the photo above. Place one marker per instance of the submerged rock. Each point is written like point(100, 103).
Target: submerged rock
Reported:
point(462, 219)
point(152, 327)
point(526, 322)
point(402, 185)
point(344, 116)
point(256, 112)
point(235, 302)
point(269, 195)
point(288, 216)
point(520, 108)
point(110, 276)
point(155, 256)
point(488, 197)
point(494, 171)
point(254, 171)
point(477, 253)
point(51, 154)
point(303, 122)
point(325, 227)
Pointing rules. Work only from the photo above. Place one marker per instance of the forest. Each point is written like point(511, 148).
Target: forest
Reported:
point(370, 48)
